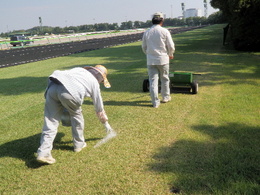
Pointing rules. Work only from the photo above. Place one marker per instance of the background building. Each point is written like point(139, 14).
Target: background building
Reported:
point(193, 12)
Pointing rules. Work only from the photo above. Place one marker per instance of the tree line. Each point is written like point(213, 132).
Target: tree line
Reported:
point(174, 22)
point(243, 17)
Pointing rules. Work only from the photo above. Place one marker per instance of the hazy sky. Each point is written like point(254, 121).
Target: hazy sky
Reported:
point(24, 14)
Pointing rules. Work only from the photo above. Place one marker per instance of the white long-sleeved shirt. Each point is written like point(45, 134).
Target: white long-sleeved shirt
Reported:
point(80, 83)
point(158, 45)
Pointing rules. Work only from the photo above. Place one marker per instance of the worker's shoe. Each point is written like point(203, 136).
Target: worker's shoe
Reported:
point(156, 104)
point(79, 149)
point(165, 100)
point(46, 159)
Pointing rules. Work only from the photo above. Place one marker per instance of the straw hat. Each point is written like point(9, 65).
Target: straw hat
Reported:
point(100, 72)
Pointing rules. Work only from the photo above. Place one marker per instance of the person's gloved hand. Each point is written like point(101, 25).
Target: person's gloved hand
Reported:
point(102, 116)
point(110, 134)
point(108, 127)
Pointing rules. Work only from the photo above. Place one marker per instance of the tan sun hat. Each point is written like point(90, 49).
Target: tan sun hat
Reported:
point(100, 72)
point(158, 15)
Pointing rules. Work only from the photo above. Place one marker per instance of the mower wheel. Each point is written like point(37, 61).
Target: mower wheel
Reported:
point(194, 87)
point(146, 85)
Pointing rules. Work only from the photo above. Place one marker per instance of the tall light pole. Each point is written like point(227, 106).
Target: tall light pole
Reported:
point(205, 8)
point(183, 10)
point(40, 21)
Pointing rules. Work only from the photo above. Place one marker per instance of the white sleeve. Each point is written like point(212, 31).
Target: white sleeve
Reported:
point(144, 45)
point(170, 44)
point(97, 99)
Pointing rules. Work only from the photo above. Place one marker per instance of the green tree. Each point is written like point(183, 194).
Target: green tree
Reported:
point(113, 26)
point(57, 30)
point(216, 18)
point(244, 19)
point(126, 25)
point(137, 24)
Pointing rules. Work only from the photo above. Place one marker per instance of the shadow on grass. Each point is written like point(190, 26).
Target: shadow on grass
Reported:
point(228, 163)
point(199, 51)
point(202, 51)
point(196, 51)
point(26, 148)
point(123, 103)
point(63, 145)
point(133, 101)
point(22, 85)
point(127, 65)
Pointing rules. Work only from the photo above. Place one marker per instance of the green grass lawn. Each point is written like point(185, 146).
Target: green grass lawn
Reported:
point(196, 144)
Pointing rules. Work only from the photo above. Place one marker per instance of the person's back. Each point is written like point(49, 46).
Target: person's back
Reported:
point(159, 48)
point(156, 45)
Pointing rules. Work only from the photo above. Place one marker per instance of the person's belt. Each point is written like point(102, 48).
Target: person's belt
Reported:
point(56, 81)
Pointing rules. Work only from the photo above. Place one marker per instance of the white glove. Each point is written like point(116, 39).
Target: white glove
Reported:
point(102, 116)
point(110, 134)
point(108, 127)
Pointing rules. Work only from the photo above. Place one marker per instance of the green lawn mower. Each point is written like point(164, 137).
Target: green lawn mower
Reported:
point(179, 82)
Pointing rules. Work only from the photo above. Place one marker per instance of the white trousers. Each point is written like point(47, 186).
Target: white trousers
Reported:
point(58, 98)
point(155, 72)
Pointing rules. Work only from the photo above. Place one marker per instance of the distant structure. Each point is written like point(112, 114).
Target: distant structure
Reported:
point(205, 9)
point(193, 12)
point(183, 9)
point(40, 22)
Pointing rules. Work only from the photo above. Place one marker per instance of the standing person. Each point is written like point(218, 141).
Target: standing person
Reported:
point(159, 47)
point(67, 89)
